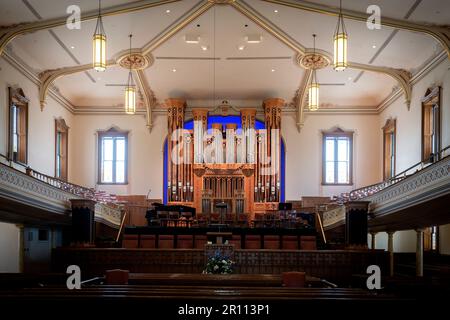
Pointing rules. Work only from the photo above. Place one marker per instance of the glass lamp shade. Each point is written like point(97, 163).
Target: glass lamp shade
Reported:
point(99, 52)
point(340, 51)
point(130, 100)
point(313, 96)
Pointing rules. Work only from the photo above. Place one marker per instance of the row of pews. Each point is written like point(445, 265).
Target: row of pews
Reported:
point(167, 292)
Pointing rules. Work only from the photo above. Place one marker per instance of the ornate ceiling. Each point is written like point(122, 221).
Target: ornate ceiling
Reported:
point(216, 68)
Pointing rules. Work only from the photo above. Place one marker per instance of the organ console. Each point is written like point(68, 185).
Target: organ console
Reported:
point(232, 163)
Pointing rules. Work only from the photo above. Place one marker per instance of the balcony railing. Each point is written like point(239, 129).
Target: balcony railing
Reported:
point(419, 177)
point(20, 182)
point(364, 192)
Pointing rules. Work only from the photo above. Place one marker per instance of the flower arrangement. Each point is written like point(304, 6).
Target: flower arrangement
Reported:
point(219, 264)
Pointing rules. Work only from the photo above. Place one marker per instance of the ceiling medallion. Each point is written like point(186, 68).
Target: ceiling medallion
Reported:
point(135, 61)
point(313, 61)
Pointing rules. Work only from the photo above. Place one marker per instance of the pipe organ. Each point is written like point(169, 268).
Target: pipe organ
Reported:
point(238, 166)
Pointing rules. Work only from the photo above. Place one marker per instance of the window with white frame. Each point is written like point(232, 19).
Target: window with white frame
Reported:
point(337, 157)
point(112, 156)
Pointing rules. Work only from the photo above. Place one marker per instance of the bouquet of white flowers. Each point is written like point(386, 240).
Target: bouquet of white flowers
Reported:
point(219, 264)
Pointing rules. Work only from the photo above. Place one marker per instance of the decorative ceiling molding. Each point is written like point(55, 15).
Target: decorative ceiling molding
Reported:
point(265, 24)
point(148, 95)
point(135, 61)
point(312, 60)
point(47, 78)
point(402, 76)
point(221, 1)
point(440, 33)
point(187, 18)
point(8, 33)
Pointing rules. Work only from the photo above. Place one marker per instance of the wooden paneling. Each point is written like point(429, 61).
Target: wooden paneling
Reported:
point(336, 266)
point(313, 201)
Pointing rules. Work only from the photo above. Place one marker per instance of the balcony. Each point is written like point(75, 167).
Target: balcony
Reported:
point(30, 197)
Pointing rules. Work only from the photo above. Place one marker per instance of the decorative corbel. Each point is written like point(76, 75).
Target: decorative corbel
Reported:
point(402, 76)
point(47, 78)
point(148, 95)
point(301, 99)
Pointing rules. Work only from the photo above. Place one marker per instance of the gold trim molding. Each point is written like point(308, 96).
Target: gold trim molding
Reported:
point(148, 96)
point(172, 30)
point(313, 60)
point(305, 58)
point(302, 94)
point(402, 76)
point(221, 1)
point(440, 33)
point(8, 33)
point(268, 26)
point(47, 78)
point(135, 61)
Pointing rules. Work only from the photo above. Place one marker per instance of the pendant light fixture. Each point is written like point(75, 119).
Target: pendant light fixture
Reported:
point(340, 43)
point(313, 89)
point(130, 90)
point(99, 44)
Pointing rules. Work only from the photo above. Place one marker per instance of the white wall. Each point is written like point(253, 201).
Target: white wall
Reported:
point(304, 153)
point(41, 124)
point(9, 247)
point(409, 142)
point(404, 241)
point(145, 152)
point(409, 122)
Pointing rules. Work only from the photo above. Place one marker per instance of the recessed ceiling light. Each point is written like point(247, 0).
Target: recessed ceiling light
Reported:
point(276, 11)
point(374, 46)
point(273, 70)
point(204, 48)
point(167, 11)
point(72, 47)
point(241, 48)
point(189, 38)
point(174, 70)
point(253, 38)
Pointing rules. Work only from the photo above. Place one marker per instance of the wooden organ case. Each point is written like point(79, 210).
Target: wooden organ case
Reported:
point(238, 167)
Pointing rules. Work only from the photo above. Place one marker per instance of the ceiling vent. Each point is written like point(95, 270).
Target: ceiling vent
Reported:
point(189, 38)
point(253, 38)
